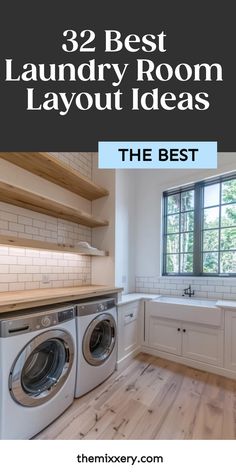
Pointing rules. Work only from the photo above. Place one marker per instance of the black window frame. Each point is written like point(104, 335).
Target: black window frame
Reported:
point(198, 188)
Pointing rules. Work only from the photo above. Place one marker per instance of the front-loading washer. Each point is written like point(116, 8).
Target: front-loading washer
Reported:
point(38, 368)
point(97, 343)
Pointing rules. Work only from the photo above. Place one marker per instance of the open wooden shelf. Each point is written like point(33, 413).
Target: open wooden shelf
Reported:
point(23, 198)
point(50, 168)
point(47, 246)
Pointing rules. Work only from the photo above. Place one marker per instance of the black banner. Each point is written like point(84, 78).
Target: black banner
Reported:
point(74, 73)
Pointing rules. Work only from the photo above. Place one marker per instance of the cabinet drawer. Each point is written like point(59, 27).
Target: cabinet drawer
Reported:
point(129, 312)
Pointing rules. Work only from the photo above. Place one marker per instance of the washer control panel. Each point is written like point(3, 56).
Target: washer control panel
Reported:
point(16, 325)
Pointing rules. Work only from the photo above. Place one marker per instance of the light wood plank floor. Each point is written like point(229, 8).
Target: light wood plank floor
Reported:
point(152, 399)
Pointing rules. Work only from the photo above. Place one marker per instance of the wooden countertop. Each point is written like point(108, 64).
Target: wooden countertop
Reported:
point(12, 301)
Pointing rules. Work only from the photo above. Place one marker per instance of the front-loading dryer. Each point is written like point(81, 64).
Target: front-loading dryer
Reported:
point(38, 368)
point(97, 343)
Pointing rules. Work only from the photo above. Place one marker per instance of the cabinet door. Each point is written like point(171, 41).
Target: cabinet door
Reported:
point(128, 328)
point(130, 332)
point(202, 343)
point(163, 334)
point(230, 340)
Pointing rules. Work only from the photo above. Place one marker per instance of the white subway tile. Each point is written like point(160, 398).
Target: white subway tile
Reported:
point(5, 216)
point(17, 269)
point(32, 230)
point(31, 285)
point(16, 227)
point(25, 277)
point(24, 220)
point(4, 225)
point(24, 260)
point(4, 287)
point(16, 286)
point(32, 269)
point(5, 278)
point(8, 260)
point(39, 224)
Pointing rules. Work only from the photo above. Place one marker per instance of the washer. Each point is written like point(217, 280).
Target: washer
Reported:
point(38, 368)
point(97, 343)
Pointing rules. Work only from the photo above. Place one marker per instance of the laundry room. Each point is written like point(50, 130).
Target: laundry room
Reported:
point(117, 299)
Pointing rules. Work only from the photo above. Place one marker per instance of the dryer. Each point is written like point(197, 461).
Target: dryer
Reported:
point(38, 368)
point(97, 343)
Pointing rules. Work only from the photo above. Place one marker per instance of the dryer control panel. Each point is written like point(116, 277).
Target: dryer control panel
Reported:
point(91, 308)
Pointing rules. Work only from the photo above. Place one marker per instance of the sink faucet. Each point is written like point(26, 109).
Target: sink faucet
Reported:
point(188, 291)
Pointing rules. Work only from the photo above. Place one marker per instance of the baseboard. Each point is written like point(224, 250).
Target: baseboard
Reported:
point(189, 362)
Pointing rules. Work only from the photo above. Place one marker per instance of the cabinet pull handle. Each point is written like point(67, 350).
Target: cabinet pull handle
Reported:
point(178, 329)
point(184, 330)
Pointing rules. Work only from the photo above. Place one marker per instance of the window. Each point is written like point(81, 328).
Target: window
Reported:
point(200, 228)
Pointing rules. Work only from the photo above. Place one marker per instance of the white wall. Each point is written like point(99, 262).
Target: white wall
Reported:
point(125, 230)
point(149, 185)
point(103, 269)
point(118, 238)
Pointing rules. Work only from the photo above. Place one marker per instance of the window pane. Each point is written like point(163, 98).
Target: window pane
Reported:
point(172, 263)
point(211, 218)
point(228, 239)
point(186, 263)
point(187, 221)
point(172, 243)
point(229, 191)
point(211, 195)
point(186, 242)
point(227, 262)
point(173, 203)
point(187, 200)
point(210, 262)
point(228, 215)
point(173, 224)
point(211, 240)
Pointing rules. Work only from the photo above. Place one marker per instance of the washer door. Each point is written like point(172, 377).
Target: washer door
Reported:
point(99, 339)
point(41, 368)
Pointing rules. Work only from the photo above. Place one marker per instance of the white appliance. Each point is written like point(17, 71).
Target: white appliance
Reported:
point(97, 343)
point(38, 368)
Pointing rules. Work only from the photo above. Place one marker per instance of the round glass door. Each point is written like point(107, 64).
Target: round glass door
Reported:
point(99, 339)
point(41, 368)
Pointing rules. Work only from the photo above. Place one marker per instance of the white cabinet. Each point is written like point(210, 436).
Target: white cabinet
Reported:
point(189, 340)
point(230, 340)
point(164, 335)
point(129, 329)
point(202, 343)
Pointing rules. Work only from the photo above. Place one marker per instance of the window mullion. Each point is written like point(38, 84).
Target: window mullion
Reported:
point(164, 235)
point(180, 208)
point(197, 253)
point(219, 234)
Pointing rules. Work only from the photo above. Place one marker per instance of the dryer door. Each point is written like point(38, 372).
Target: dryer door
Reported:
point(99, 339)
point(41, 368)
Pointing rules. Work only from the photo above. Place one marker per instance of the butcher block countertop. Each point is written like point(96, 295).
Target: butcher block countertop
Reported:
point(12, 301)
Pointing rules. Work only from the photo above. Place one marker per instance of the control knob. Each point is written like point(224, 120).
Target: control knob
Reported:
point(45, 322)
point(101, 307)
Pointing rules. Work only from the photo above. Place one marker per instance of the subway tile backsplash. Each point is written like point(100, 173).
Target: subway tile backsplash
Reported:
point(25, 269)
point(205, 287)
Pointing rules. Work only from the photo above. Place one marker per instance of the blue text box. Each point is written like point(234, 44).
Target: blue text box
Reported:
point(157, 155)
